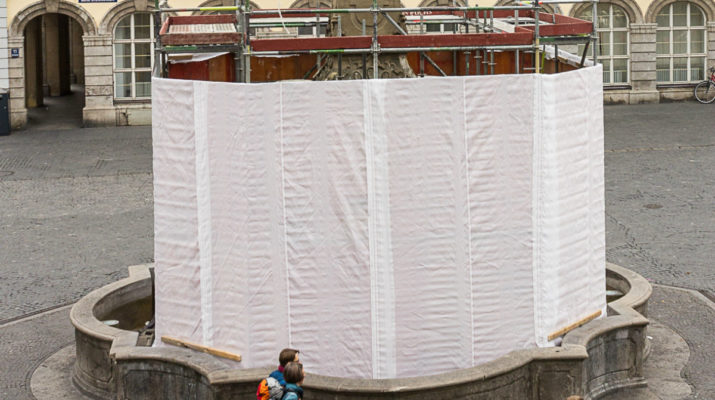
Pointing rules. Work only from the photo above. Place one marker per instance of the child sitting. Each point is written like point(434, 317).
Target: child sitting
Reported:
point(286, 356)
point(271, 388)
point(294, 375)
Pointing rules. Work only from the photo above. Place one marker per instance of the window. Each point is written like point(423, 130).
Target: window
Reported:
point(288, 28)
point(309, 31)
point(613, 41)
point(680, 43)
point(431, 28)
point(439, 28)
point(133, 56)
point(417, 24)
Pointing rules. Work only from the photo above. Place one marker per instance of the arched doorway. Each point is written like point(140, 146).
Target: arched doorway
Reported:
point(49, 39)
point(54, 72)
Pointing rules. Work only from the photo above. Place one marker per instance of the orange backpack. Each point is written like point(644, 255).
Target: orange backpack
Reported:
point(269, 389)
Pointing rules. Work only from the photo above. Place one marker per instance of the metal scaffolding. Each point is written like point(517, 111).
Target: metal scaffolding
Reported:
point(482, 43)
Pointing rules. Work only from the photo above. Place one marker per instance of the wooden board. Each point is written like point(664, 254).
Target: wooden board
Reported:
point(198, 347)
point(187, 30)
point(217, 69)
point(573, 326)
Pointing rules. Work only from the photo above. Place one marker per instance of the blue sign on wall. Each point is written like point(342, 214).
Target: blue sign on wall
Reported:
point(15, 52)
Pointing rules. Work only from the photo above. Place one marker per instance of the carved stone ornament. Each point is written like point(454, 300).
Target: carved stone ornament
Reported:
point(389, 65)
point(52, 6)
point(141, 5)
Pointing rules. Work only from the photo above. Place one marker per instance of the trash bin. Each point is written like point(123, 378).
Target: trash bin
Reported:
point(4, 113)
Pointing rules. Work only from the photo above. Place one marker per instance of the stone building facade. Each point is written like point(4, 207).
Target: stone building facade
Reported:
point(652, 50)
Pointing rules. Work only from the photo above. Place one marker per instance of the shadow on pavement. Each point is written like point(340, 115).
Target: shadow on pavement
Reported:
point(58, 113)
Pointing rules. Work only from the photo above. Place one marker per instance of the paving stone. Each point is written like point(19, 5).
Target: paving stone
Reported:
point(25, 344)
point(660, 217)
point(694, 320)
point(52, 380)
point(77, 209)
point(660, 192)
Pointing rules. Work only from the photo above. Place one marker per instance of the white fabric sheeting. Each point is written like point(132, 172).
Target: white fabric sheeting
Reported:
point(596, 195)
point(386, 228)
point(328, 254)
point(427, 205)
point(571, 241)
point(176, 250)
point(249, 274)
point(499, 144)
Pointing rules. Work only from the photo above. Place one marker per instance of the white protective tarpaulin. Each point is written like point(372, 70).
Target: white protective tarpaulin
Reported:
point(386, 228)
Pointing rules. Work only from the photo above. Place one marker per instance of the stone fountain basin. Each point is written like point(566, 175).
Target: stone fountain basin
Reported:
point(597, 358)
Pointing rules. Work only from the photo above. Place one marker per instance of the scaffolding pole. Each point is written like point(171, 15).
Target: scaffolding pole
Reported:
point(243, 50)
point(594, 5)
point(389, 50)
point(423, 56)
point(375, 45)
point(537, 68)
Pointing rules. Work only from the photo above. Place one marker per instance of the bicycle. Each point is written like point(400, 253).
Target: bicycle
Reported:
point(705, 91)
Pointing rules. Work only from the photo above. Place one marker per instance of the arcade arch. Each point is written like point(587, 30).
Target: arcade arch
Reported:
point(52, 61)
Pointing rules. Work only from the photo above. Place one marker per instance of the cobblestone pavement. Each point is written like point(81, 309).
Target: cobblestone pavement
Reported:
point(25, 344)
point(77, 210)
point(660, 218)
point(660, 192)
point(694, 320)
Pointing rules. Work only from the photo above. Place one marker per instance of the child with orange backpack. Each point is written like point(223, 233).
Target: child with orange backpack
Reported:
point(272, 387)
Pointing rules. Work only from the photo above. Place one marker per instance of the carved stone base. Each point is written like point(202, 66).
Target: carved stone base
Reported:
point(599, 357)
point(389, 66)
point(357, 66)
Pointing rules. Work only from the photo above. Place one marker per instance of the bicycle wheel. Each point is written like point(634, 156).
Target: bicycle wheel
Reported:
point(705, 92)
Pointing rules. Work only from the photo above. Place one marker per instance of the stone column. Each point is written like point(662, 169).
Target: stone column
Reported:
point(33, 63)
point(643, 75)
point(99, 90)
point(16, 72)
point(4, 50)
point(711, 46)
point(57, 53)
point(76, 52)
